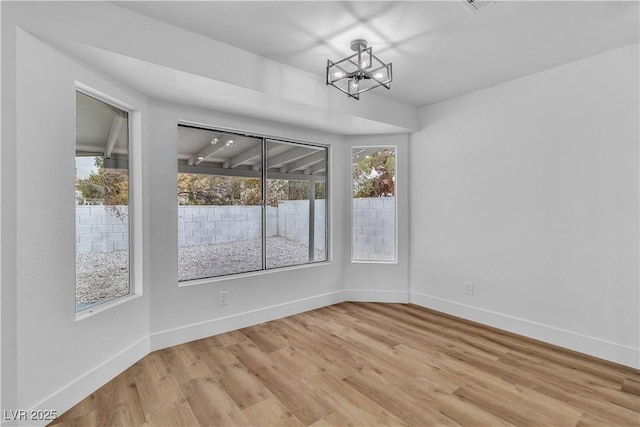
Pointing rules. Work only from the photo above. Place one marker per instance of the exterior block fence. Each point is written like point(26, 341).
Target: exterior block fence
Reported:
point(374, 229)
point(99, 230)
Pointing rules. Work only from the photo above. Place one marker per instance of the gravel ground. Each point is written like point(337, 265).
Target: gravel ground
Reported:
point(103, 276)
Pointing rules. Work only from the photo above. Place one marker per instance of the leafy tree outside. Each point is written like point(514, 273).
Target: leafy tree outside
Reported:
point(374, 175)
point(109, 187)
point(198, 189)
point(104, 186)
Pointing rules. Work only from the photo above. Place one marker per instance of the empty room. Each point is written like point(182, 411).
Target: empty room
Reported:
point(246, 213)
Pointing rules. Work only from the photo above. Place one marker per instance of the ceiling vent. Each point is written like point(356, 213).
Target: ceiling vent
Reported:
point(475, 5)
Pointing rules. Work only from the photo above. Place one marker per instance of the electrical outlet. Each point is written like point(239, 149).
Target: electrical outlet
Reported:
point(468, 288)
point(223, 298)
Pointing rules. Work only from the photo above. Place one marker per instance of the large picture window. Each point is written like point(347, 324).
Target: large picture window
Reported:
point(247, 203)
point(374, 204)
point(102, 202)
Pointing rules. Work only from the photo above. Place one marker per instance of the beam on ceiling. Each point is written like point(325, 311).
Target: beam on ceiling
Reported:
point(360, 153)
point(318, 167)
point(245, 156)
point(287, 157)
point(204, 154)
point(114, 132)
point(304, 162)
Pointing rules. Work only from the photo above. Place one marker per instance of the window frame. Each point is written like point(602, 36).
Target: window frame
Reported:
point(265, 139)
point(395, 205)
point(134, 209)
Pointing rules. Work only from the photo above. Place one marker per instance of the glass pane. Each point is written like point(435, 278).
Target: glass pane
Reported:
point(219, 204)
point(296, 209)
point(102, 202)
point(374, 209)
point(320, 222)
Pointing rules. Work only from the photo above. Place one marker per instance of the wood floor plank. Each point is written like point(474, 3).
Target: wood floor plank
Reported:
point(183, 364)
point(458, 410)
point(504, 402)
point(525, 345)
point(366, 364)
point(580, 389)
point(120, 405)
point(321, 348)
point(243, 387)
point(161, 397)
point(87, 419)
point(264, 338)
point(271, 412)
point(404, 406)
point(351, 404)
point(293, 393)
point(631, 386)
point(211, 404)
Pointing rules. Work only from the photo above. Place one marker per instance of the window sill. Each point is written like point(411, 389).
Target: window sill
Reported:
point(357, 261)
point(89, 312)
point(250, 274)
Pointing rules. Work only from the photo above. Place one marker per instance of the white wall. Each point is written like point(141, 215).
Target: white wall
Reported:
point(188, 312)
point(530, 190)
point(55, 352)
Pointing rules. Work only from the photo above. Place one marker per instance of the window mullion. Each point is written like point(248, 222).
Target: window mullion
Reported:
point(312, 197)
point(264, 203)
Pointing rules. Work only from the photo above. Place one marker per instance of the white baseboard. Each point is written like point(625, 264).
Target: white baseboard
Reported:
point(183, 334)
point(618, 353)
point(366, 295)
point(74, 392)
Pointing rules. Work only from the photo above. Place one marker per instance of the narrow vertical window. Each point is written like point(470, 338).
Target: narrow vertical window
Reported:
point(374, 204)
point(102, 202)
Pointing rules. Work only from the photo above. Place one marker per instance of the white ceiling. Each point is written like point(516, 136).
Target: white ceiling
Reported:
point(439, 49)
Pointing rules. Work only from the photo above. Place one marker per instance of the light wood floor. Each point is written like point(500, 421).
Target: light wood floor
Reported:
point(366, 364)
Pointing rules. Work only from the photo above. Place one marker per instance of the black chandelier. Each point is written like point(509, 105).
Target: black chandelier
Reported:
point(359, 72)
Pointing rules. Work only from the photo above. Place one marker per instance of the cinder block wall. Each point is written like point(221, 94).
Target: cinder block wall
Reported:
point(198, 225)
point(374, 228)
point(98, 229)
point(292, 218)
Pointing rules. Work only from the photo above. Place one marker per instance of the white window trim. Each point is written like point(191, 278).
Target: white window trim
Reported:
point(395, 207)
point(135, 201)
point(328, 214)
